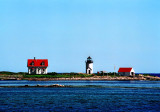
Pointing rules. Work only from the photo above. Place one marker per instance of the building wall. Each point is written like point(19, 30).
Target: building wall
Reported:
point(89, 67)
point(133, 72)
point(37, 70)
point(124, 73)
point(127, 73)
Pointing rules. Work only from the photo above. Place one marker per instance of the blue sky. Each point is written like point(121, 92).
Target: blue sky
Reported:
point(124, 33)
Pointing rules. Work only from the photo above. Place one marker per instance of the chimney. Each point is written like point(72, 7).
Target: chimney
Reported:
point(34, 58)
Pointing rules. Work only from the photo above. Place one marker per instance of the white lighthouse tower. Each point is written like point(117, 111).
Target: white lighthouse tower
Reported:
point(89, 65)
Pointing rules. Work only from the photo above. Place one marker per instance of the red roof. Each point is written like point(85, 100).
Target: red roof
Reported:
point(124, 69)
point(37, 63)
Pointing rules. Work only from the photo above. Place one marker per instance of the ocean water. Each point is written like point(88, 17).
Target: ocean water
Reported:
point(105, 96)
point(152, 74)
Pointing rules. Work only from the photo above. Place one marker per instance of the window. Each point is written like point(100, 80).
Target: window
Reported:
point(42, 63)
point(33, 69)
point(32, 63)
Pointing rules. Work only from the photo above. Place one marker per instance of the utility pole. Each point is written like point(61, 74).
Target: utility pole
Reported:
point(114, 70)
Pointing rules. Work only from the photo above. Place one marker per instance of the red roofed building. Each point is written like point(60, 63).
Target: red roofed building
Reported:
point(37, 66)
point(126, 71)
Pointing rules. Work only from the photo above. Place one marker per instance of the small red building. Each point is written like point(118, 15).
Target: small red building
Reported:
point(126, 71)
point(37, 66)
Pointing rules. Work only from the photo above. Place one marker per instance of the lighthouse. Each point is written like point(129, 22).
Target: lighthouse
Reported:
point(89, 65)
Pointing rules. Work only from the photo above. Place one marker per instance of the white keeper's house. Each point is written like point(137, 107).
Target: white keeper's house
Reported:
point(126, 71)
point(37, 66)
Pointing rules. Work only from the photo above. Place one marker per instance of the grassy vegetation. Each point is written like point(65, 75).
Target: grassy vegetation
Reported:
point(146, 75)
point(111, 74)
point(12, 73)
point(6, 74)
point(58, 75)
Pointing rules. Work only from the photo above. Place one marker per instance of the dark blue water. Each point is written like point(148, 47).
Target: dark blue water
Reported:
point(110, 96)
point(152, 74)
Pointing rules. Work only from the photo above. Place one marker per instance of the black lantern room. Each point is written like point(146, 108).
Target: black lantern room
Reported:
point(89, 60)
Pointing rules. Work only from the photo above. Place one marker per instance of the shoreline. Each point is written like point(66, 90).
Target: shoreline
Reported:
point(105, 78)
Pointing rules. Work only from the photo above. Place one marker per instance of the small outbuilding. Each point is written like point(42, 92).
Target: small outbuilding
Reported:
point(126, 71)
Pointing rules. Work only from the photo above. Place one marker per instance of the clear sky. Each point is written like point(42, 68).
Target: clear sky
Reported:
point(124, 33)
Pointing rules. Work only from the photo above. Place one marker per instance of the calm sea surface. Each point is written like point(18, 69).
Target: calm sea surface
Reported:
point(110, 96)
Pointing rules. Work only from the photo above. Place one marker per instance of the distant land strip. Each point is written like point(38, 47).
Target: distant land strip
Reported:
point(74, 76)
